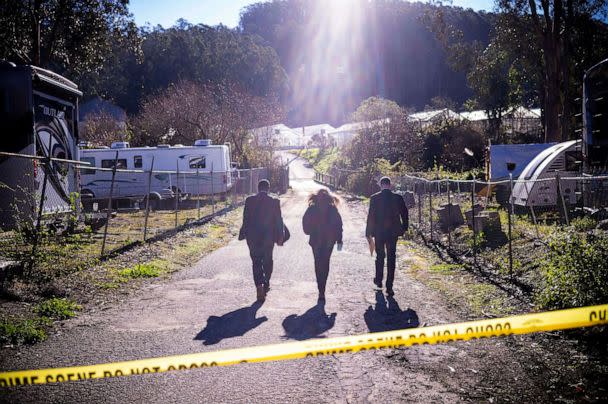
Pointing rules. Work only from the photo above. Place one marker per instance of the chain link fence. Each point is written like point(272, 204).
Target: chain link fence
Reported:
point(115, 209)
point(499, 227)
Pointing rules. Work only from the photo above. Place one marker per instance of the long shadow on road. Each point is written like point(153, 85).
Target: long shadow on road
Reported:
point(386, 315)
point(314, 322)
point(233, 324)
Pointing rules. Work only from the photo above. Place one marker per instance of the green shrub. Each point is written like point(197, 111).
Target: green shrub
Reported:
point(361, 183)
point(140, 271)
point(58, 308)
point(477, 240)
point(445, 267)
point(583, 224)
point(576, 271)
point(21, 332)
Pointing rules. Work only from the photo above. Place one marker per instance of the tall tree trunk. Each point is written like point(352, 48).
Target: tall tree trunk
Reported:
point(565, 68)
point(37, 42)
point(553, 91)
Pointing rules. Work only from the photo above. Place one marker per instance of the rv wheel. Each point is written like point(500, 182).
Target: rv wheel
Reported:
point(177, 193)
point(87, 194)
point(154, 201)
point(86, 199)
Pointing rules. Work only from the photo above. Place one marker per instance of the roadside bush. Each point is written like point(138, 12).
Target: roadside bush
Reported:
point(583, 224)
point(58, 308)
point(360, 183)
point(21, 332)
point(140, 271)
point(576, 271)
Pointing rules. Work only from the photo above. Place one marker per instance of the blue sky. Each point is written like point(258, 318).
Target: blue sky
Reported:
point(213, 12)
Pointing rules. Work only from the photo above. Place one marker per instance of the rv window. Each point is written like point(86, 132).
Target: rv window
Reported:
point(91, 161)
point(137, 162)
point(122, 163)
point(198, 162)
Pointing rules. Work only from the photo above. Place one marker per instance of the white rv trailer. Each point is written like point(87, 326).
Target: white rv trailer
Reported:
point(562, 159)
point(212, 162)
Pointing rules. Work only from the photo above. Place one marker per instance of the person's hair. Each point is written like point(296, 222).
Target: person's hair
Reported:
point(323, 197)
point(385, 181)
point(263, 185)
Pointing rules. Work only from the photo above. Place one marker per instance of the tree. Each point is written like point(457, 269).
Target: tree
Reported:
point(102, 129)
point(553, 22)
point(385, 133)
point(376, 108)
point(204, 54)
point(63, 35)
point(490, 81)
point(188, 111)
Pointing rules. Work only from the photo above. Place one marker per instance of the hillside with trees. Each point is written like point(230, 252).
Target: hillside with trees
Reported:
point(411, 53)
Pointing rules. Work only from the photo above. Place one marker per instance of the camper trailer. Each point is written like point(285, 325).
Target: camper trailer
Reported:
point(212, 162)
point(563, 160)
point(38, 116)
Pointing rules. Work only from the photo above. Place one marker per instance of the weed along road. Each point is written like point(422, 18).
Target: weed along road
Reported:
point(210, 306)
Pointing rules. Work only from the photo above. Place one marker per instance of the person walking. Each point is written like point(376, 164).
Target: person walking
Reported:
point(386, 221)
point(262, 227)
point(323, 223)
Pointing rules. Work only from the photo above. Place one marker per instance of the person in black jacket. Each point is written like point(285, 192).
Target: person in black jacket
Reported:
point(386, 221)
point(262, 227)
point(324, 225)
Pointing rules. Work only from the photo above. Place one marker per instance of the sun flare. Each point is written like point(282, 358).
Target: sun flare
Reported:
point(332, 48)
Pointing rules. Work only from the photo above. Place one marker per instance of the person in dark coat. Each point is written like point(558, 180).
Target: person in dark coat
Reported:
point(386, 221)
point(262, 227)
point(323, 223)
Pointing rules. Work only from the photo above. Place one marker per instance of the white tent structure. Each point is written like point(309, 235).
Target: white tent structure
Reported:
point(427, 118)
point(307, 132)
point(278, 135)
point(516, 119)
point(537, 185)
point(345, 133)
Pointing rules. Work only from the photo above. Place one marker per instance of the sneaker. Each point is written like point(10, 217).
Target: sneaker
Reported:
point(389, 292)
point(378, 284)
point(267, 287)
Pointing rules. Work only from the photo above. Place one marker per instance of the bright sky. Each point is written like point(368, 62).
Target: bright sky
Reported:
point(213, 12)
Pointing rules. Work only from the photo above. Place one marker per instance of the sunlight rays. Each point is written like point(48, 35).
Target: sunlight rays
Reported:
point(335, 62)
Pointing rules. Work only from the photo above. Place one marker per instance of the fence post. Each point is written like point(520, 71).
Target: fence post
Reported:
point(560, 195)
point(212, 193)
point(473, 222)
point(176, 191)
point(109, 211)
point(148, 199)
point(46, 167)
point(510, 212)
point(198, 194)
point(449, 223)
point(420, 205)
point(250, 181)
point(431, 209)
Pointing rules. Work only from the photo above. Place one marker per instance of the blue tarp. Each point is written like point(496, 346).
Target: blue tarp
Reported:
point(520, 154)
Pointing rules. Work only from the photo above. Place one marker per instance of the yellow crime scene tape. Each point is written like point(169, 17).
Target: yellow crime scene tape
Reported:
point(521, 324)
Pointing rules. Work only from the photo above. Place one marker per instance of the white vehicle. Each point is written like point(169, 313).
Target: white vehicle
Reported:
point(563, 159)
point(211, 162)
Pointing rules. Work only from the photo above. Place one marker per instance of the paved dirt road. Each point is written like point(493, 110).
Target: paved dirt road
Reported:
point(210, 306)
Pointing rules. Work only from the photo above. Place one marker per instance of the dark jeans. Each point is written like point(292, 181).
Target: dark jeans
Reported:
point(322, 255)
point(386, 247)
point(261, 257)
